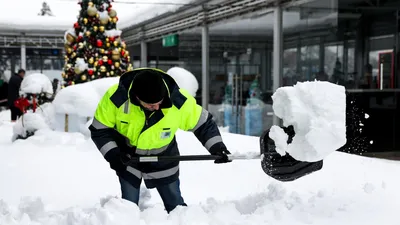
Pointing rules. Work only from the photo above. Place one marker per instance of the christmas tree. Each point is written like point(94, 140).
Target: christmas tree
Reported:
point(93, 46)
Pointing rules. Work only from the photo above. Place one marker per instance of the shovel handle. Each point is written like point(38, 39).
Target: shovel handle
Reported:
point(188, 158)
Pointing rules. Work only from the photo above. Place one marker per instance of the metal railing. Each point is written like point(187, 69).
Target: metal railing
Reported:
point(7, 41)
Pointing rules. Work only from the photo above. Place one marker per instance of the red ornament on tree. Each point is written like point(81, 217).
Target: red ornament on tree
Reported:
point(90, 72)
point(109, 62)
point(99, 43)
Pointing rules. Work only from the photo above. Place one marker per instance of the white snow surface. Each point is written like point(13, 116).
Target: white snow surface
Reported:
point(317, 111)
point(42, 119)
point(184, 79)
point(22, 14)
point(82, 99)
point(61, 178)
point(36, 83)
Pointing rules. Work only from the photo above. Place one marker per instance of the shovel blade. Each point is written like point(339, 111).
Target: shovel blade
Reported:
point(284, 168)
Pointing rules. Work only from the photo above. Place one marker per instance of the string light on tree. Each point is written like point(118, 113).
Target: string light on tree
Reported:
point(93, 46)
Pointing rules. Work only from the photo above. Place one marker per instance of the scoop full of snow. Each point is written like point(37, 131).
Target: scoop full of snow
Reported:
point(184, 79)
point(317, 111)
point(82, 99)
point(36, 83)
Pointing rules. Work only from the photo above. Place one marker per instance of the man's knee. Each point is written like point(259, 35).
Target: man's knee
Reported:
point(171, 195)
point(129, 192)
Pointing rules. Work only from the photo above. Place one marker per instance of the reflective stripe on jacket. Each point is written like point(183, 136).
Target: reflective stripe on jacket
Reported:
point(120, 124)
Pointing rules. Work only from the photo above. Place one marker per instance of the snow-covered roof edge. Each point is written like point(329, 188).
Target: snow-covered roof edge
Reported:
point(54, 25)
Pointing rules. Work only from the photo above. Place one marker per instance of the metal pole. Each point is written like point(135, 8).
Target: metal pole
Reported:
point(143, 54)
point(205, 66)
point(278, 55)
point(23, 52)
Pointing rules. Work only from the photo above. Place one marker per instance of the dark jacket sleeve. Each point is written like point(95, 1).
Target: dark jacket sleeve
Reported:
point(208, 133)
point(102, 129)
point(103, 138)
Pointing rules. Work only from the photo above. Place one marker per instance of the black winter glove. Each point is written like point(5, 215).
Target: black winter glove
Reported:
point(114, 158)
point(221, 152)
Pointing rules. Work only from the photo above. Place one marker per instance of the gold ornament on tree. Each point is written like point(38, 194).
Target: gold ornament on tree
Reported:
point(126, 53)
point(115, 55)
point(104, 20)
point(70, 38)
point(77, 70)
point(103, 69)
point(112, 13)
point(92, 11)
point(83, 77)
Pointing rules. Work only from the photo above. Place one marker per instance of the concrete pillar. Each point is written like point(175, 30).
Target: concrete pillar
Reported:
point(321, 54)
point(277, 55)
point(143, 54)
point(264, 69)
point(205, 54)
point(23, 53)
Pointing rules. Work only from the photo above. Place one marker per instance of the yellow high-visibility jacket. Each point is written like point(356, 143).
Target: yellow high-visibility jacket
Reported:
point(120, 126)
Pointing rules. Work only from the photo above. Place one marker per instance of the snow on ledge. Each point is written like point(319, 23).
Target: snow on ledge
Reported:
point(36, 83)
point(82, 99)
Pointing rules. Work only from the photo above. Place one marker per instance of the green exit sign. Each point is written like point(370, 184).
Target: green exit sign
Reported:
point(170, 40)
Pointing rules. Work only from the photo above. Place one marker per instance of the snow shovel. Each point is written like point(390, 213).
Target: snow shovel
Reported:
point(283, 168)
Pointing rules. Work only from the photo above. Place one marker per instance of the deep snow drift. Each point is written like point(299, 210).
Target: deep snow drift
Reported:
point(61, 178)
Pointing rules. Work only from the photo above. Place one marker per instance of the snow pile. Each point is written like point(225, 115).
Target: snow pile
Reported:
point(30, 122)
point(61, 178)
point(317, 111)
point(36, 83)
point(82, 99)
point(184, 79)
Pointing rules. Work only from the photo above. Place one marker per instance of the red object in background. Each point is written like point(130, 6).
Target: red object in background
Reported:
point(386, 59)
point(22, 104)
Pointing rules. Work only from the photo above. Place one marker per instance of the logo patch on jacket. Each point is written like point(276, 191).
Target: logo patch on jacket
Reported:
point(165, 134)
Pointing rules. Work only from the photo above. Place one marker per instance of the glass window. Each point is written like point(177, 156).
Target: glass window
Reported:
point(333, 63)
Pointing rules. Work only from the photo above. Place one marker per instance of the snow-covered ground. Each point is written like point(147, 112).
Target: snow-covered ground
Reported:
point(61, 178)
point(55, 177)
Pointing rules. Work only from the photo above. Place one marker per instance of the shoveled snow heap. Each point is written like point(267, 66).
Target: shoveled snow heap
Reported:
point(36, 83)
point(317, 111)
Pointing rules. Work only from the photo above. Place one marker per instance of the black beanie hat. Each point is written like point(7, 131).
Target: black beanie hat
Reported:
point(148, 85)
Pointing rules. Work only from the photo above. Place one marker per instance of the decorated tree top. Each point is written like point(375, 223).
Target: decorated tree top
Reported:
point(93, 46)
